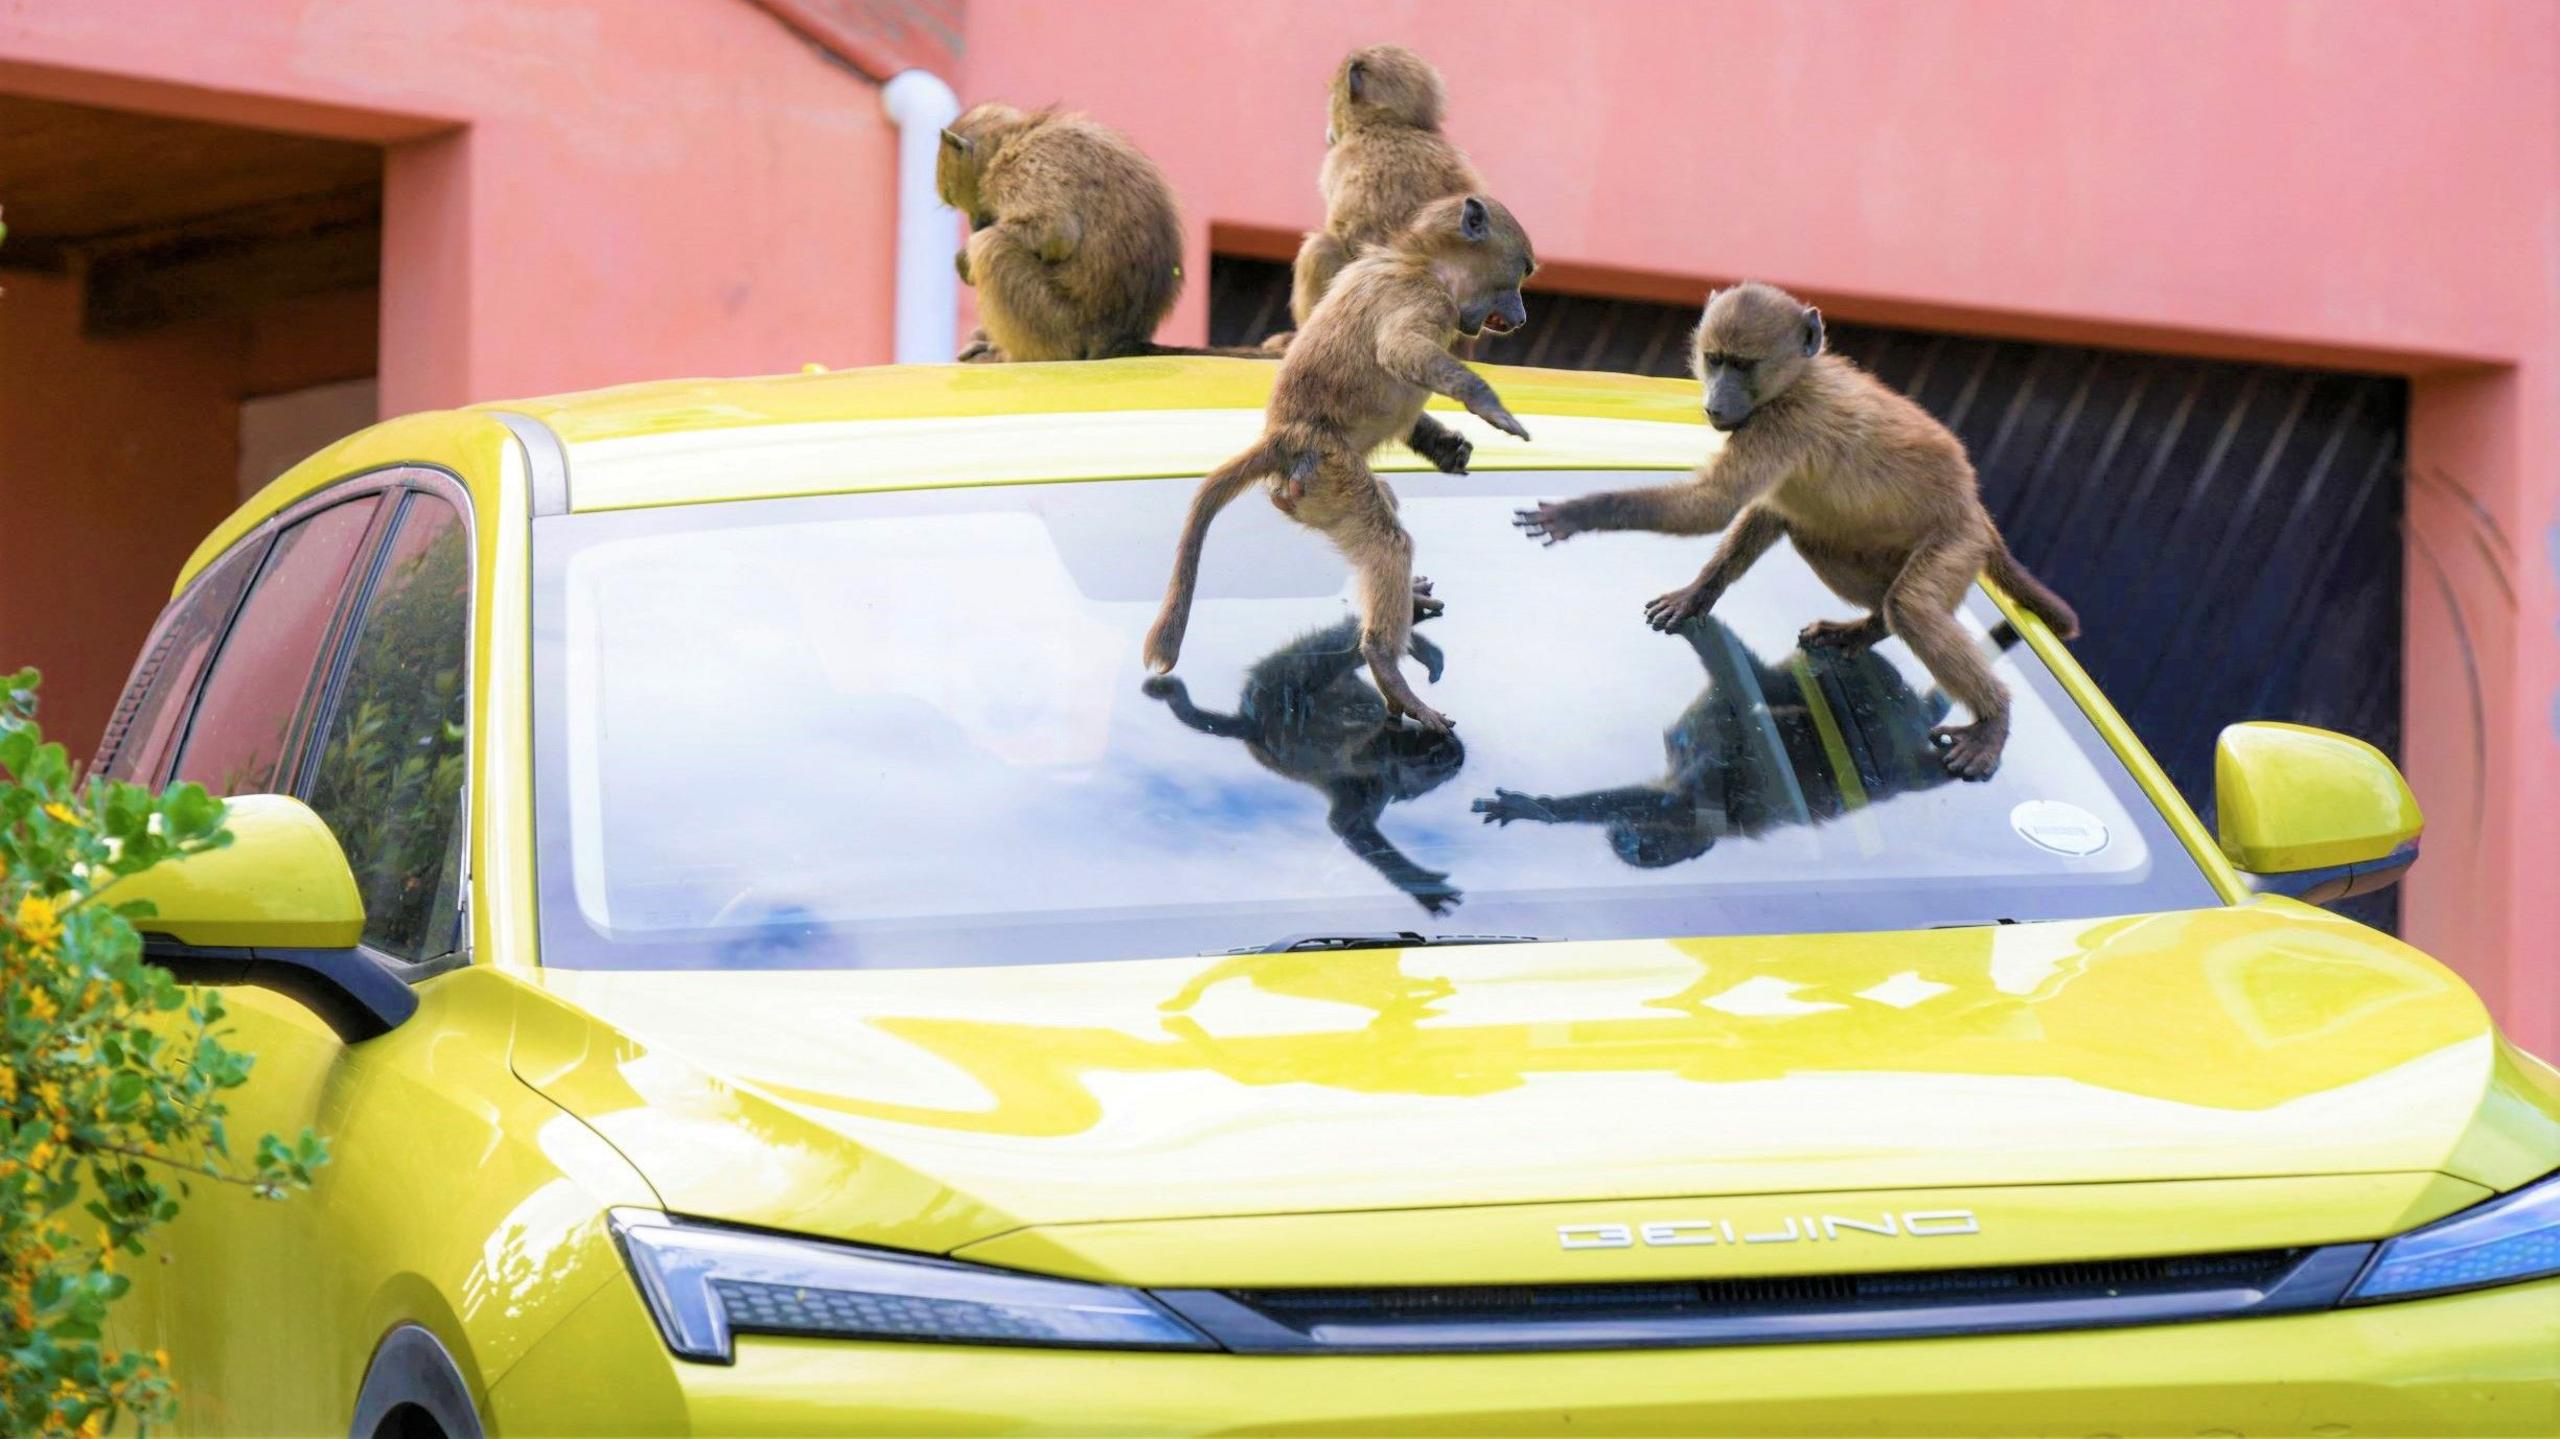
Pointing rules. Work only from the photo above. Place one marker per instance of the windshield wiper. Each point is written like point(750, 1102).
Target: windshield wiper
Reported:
point(1383, 939)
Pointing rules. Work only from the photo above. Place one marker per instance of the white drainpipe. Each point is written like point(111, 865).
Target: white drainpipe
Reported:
point(928, 287)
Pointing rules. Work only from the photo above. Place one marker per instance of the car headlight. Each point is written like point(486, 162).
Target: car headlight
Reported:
point(704, 1283)
point(2507, 1240)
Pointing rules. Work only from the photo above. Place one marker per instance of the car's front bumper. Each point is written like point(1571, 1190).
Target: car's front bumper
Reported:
point(2480, 1363)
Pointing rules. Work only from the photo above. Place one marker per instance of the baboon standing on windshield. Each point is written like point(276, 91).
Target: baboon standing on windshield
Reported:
point(1875, 494)
point(1075, 247)
point(1358, 375)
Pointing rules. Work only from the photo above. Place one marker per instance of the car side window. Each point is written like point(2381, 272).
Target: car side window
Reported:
point(389, 779)
point(144, 727)
point(235, 744)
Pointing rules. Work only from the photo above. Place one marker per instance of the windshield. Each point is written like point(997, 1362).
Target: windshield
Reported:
point(913, 729)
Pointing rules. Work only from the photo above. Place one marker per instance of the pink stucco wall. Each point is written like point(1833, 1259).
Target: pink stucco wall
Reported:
point(2366, 183)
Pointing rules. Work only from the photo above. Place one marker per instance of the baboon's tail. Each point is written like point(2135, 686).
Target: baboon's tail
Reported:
point(1231, 352)
point(2005, 571)
point(1164, 642)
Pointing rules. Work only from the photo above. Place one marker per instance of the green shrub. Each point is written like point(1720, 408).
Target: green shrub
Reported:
point(104, 1113)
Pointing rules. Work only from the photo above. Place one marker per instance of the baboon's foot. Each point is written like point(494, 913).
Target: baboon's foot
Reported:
point(1970, 752)
point(1422, 714)
point(1850, 635)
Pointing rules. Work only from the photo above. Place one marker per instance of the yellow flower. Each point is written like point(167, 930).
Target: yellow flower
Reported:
point(62, 812)
point(38, 921)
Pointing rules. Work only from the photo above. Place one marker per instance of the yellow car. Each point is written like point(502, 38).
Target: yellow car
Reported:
point(769, 960)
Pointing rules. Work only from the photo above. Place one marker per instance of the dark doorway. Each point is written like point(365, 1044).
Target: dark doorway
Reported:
point(185, 307)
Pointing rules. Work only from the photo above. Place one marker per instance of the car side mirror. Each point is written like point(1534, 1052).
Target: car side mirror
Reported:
point(2313, 814)
point(277, 909)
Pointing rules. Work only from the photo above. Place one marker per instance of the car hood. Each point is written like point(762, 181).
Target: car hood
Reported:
point(931, 1109)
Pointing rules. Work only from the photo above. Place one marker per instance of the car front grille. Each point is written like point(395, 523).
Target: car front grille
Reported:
point(1774, 1309)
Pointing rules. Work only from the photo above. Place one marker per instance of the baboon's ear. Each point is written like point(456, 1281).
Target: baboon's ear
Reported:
point(1812, 331)
point(1356, 79)
point(1473, 222)
point(955, 142)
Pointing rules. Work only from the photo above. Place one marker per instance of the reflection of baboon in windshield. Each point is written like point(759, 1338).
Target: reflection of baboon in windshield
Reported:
point(1756, 750)
point(1306, 714)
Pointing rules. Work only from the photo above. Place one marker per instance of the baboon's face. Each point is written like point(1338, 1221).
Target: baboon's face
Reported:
point(1414, 761)
point(1483, 255)
point(1751, 345)
point(967, 145)
point(1384, 84)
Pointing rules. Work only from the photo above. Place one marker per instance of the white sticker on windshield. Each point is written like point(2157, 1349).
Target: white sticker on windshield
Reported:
point(2062, 828)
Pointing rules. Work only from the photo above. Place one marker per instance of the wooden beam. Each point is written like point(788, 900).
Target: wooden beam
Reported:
point(231, 264)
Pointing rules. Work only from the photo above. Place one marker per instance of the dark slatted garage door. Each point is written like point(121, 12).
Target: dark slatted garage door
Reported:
point(2229, 533)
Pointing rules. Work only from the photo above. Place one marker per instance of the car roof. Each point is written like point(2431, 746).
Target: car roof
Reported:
point(887, 392)
point(920, 426)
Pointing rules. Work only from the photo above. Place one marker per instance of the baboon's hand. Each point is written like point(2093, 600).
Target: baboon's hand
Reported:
point(1549, 524)
point(980, 351)
point(1278, 344)
point(1510, 804)
point(1448, 451)
point(1488, 408)
point(1668, 612)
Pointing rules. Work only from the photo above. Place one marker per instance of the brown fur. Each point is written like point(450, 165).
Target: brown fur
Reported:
point(1385, 159)
point(1876, 495)
point(1075, 246)
point(1370, 355)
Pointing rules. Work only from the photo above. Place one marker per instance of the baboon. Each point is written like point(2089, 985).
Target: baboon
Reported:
point(1877, 496)
point(1747, 755)
point(1371, 354)
point(1305, 715)
point(1384, 159)
point(1075, 246)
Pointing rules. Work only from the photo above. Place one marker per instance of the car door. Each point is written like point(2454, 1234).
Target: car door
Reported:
point(339, 678)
